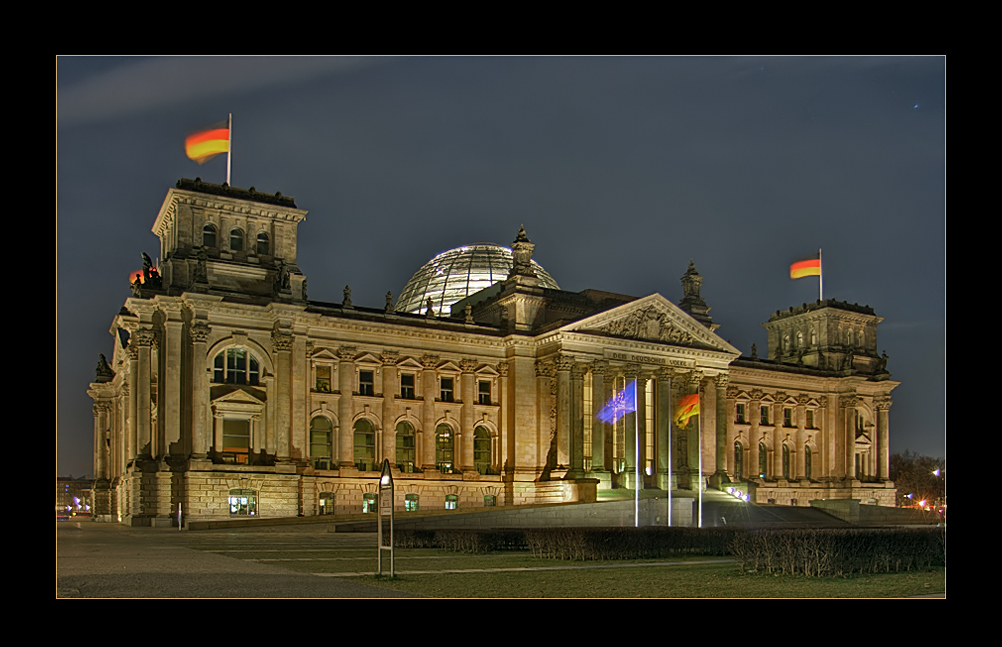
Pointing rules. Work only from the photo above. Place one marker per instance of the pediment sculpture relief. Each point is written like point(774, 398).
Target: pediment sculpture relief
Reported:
point(648, 324)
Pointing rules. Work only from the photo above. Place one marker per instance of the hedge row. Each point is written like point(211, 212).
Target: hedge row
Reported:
point(842, 551)
point(462, 541)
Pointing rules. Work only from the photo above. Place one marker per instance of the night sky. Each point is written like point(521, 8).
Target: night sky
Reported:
point(621, 169)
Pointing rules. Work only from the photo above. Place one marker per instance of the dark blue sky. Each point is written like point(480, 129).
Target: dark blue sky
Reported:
point(621, 169)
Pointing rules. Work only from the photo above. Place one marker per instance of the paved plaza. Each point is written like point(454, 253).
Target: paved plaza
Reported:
point(98, 560)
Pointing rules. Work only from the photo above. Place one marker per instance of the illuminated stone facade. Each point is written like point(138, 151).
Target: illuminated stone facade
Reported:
point(229, 393)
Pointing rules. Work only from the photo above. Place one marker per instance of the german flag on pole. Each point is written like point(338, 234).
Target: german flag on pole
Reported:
point(810, 266)
point(206, 144)
point(688, 407)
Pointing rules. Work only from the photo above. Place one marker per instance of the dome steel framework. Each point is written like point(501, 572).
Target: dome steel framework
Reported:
point(457, 273)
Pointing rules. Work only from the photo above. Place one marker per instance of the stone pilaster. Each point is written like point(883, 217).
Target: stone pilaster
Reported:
point(469, 394)
point(507, 438)
point(345, 405)
point(599, 429)
point(169, 405)
point(281, 341)
point(143, 339)
point(577, 422)
point(883, 437)
point(779, 431)
point(101, 436)
point(719, 478)
point(429, 391)
point(199, 333)
point(663, 440)
point(388, 431)
point(846, 453)
point(751, 465)
point(564, 364)
point(801, 439)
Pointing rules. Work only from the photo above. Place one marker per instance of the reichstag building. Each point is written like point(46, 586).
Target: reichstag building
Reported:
point(229, 393)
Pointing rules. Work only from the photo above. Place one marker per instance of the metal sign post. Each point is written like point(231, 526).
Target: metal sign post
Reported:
point(385, 513)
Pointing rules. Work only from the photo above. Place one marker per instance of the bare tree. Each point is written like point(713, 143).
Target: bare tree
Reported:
point(922, 477)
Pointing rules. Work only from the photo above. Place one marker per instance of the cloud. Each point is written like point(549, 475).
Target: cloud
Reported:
point(158, 82)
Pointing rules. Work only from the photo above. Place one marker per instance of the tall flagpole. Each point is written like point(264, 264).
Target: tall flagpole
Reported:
point(229, 148)
point(699, 430)
point(636, 426)
point(821, 277)
point(670, 420)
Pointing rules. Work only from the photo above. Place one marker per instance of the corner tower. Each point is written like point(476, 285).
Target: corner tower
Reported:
point(220, 240)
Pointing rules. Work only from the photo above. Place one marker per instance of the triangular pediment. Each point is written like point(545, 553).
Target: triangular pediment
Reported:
point(652, 319)
point(238, 397)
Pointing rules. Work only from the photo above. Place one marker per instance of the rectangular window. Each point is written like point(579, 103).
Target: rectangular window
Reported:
point(324, 379)
point(484, 392)
point(236, 440)
point(407, 386)
point(765, 416)
point(446, 392)
point(365, 383)
point(787, 417)
point(810, 420)
point(740, 414)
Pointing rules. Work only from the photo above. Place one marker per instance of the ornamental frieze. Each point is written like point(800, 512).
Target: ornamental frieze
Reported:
point(648, 324)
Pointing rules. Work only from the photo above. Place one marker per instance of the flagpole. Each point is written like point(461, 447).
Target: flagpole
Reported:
point(821, 277)
point(636, 426)
point(229, 147)
point(699, 484)
point(670, 419)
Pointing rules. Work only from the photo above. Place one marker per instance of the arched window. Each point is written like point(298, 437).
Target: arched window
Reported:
point(814, 337)
point(243, 503)
point(786, 461)
point(365, 445)
point(444, 446)
point(763, 460)
point(236, 240)
point(326, 503)
point(262, 244)
point(411, 503)
point(451, 501)
point(405, 447)
point(851, 338)
point(482, 450)
point(236, 366)
point(208, 235)
point(739, 462)
point(321, 443)
point(800, 340)
point(807, 462)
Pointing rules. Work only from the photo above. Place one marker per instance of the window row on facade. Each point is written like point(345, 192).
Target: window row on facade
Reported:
point(742, 417)
point(244, 502)
point(237, 240)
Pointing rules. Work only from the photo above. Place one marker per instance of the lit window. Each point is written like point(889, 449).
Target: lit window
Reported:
point(323, 379)
point(407, 386)
point(321, 448)
point(236, 366)
point(482, 450)
point(444, 457)
point(411, 503)
point(262, 243)
point(236, 240)
point(365, 383)
point(236, 441)
point(405, 447)
point(368, 503)
point(326, 503)
point(451, 501)
point(484, 392)
point(208, 236)
point(763, 460)
point(365, 445)
point(446, 395)
point(490, 501)
point(243, 503)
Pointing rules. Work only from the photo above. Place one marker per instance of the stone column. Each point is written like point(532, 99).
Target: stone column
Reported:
point(751, 465)
point(883, 436)
point(577, 422)
point(388, 431)
point(801, 470)
point(695, 478)
point(732, 433)
point(779, 431)
point(630, 420)
point(101, 449)
point(143, 338)
point(545, 424)
point(469, 395)
point(301, 386)
point(720, 454)
point(345, 405)
point(564, 364)
point(847, 435)
point(609, 389)
point(640, 433)
point(429, 391)
point(199, 333)
point(599, 429)
point(281, 341)
point(173, 398)
point(663, 418)
point(506, 441)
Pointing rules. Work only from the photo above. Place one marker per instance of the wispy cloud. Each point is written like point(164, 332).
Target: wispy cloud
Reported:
point(158, 82)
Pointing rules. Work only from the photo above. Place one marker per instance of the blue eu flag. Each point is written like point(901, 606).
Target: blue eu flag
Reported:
point(620, 404)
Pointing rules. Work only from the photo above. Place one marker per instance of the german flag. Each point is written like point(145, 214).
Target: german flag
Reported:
point(688, 407)
point(206, 144)
point(810, 266)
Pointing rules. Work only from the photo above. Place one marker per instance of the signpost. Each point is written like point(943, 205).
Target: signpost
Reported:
point(385, 539)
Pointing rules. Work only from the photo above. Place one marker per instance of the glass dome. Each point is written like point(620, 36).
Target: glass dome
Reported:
point(456, 274)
